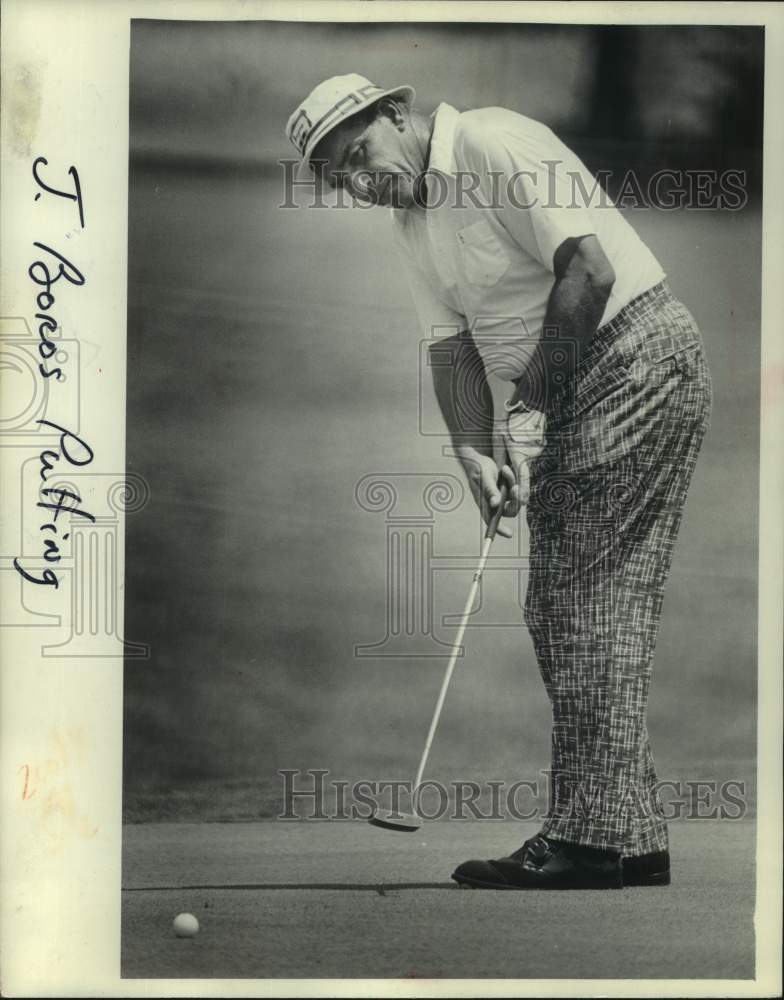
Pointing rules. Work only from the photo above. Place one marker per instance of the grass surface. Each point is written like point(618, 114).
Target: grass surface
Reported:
point(329, 900)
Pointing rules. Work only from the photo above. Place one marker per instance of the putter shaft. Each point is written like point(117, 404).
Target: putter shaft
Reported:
point(492, 528)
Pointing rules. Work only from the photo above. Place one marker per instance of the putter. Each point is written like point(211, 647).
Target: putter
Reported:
point(409, 822)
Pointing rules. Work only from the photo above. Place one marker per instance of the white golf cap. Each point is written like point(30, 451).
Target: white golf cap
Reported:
point(330, 104)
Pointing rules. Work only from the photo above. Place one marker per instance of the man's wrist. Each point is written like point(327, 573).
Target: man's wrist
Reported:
point(471, 451)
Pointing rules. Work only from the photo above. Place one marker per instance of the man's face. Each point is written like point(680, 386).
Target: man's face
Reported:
point(375, 161)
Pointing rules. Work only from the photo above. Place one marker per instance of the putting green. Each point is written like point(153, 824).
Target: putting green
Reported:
point(344, 899)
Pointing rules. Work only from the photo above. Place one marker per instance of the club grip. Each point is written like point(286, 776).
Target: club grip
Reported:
point(492, 527)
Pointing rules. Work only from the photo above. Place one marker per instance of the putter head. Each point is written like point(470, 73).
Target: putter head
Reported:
point(398, 821)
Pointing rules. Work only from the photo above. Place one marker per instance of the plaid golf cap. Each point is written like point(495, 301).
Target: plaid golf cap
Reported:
point(330, 104)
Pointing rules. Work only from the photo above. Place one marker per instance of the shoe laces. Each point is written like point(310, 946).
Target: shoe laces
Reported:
point(537, 845)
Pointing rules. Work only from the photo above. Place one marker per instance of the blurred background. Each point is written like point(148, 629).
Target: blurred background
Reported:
point(273, 363)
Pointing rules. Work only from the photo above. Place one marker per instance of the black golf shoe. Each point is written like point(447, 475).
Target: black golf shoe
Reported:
point(544, 863)
point(647, 869)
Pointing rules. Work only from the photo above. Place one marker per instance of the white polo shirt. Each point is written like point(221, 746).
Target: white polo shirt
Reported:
point(483, 261)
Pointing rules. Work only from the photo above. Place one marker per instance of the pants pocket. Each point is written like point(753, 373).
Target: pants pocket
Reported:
point(656, 369)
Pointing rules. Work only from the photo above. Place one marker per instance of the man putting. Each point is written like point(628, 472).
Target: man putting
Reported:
point(505, 236)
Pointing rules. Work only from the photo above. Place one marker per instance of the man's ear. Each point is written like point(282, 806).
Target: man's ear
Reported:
point(390, 108)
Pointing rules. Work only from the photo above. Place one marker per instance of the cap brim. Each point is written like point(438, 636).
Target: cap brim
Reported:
point(406, 93)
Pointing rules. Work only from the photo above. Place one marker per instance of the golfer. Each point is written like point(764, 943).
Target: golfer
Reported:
point(506, 238)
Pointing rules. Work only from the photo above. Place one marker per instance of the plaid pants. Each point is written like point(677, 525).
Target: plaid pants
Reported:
point(607, 494)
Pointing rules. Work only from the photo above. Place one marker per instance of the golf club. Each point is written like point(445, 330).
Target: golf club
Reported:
point(409, 822)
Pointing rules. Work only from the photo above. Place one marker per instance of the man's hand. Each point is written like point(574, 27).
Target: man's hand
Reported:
point(491, 451)
point(518, 438)
point(485, 474)
point(521, 435)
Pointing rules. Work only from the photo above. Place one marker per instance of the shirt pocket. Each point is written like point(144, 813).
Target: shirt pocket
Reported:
point(483, 255)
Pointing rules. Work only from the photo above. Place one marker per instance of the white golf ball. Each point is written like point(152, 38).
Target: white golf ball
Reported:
point(186, 925)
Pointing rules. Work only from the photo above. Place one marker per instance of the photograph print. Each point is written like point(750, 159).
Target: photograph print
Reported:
point(443, 384)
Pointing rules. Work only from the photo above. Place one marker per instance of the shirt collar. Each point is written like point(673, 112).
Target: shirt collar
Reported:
point(442, 141)
point(441, 158)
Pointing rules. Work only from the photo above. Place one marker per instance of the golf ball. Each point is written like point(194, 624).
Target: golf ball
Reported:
point(186, 925)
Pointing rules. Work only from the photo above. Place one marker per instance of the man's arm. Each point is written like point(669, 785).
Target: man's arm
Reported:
point(584, 278)
point(466, 403)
